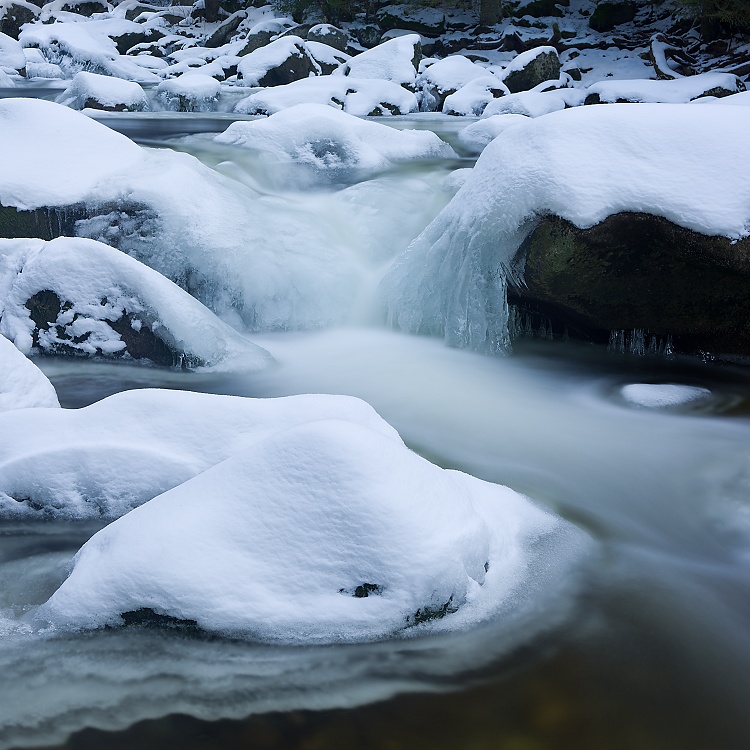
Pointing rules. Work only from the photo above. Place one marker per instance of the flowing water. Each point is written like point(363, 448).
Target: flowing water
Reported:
point(648, 647)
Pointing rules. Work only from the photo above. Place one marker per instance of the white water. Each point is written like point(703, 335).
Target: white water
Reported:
point(666, 492)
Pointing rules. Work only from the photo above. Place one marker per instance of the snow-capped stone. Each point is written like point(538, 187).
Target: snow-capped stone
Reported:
point(475, 96)
point(78, 296)
point(476, 136)
point(360, 97)
point(676, 91)
point(14, 14)
point(325, 33)
point(12, 58)
point(328, 58)
point(445, 77)
point(395, 60)
point(535, 103)
point(328, 140)
point(93, 91)
point(22, 384)
point(532, 68)
point(280, 62)
point(191, 92)
point(108, 458)
point(6, 82)
point(321, 533)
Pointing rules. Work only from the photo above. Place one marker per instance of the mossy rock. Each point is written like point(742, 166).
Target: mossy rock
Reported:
point(608, 15)
point(637, 271)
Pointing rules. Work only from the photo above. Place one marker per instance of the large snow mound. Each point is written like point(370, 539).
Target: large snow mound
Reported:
point(329, 140)
point(108, 304)
point(325, 532)
point(116, 454)
point(582, 164)
point(103, 92)
point(22, 384)
point(395, 60)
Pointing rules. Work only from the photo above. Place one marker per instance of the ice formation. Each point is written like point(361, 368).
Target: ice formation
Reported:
point(106, 303)
point(326, 139)
point(663, 395)
point(328, 531)
point(22, 384)
point(582, 164)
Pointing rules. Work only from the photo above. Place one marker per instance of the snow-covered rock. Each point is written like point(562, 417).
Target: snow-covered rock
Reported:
point(360, 97)
point(282, 61)
point(193, 91)
point(333, 142)
point(473, 98)
point(476, 136)
point(6, 82)
point(324, 532)
point(14, 14)
point(395, 60)
point(22, 384)
point(93, 91)
point(12, 59)
point(110, 457)
point(531, 68)
point(332, 36)
point(535, 103)
point(328, 58)
point(583, 165)
point(677, 91)
point(447, 76)
point(78, 296)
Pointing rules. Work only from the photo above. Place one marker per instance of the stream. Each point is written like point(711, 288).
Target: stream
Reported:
point(649, 646)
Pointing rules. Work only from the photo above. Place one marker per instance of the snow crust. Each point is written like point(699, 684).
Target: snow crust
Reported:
point(281, 542)
point(653, 396)
point(360, 97)
point(582, 164)
point(327, 139)
point(120, 452)
point(22, 384)
point(103, 285)
point(106, 90)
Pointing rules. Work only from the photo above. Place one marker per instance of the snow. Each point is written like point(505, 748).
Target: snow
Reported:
point(12, 58)
point(653, 396)
point(679, 91)
point(101, 285)
point(360, 97)
point(582, 164)
point(475, 96)
point(6, 82)
point(120, 452)
point(451, 73)
point(535, 103)
point(476, 136)
point(192, 92)
point(327, 139)
point(106, 90)
point(325, 54)
point(280, 542)
point(22, 384)
point(393, 60)
point(742, 100)
point(253, 67)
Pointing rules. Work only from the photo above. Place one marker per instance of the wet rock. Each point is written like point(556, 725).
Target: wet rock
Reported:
point(607, 15)
point(15, 14)
point(638, 271)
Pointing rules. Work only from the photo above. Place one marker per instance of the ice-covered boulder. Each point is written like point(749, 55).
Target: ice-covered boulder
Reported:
point(14, 14)
point(110, 457)
point(93, 91)
point(335, 143)
point(395, 60)
point(582, 165)
point(80, 297)
point(190, 92)
point(280, 62)
point(22, 384)
point(360, 97)
point(325, 532)
point(532, 68)
point(676, 91)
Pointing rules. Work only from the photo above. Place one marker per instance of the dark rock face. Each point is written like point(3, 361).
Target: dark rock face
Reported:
point(224, 32)
point(637, 271)
point(126, 42)
point(44, 223)
point(544, 67)
point(15, 15)
point(85, 8)
point(298, 64)
point(608, 15)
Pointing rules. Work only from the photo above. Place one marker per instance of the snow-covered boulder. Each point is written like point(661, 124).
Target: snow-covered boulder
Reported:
point(328, 58)
point(264, 32)
point(325, 532)
point(22, 384)
point(532, 68)
point(535, 103)
point(110, 457)
point(677, 91)
point(80, 297)
point(445, 77)
point(475, 137)
point(332, 142)
point(14, 14)
point(360, 97)
point(473, 98)
point(93, 91)
point(190, 92)
point(6, 82)
point(325, 33)
point(282, 61)
point(12, 59)
point(582, 165)
point(395, 60)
